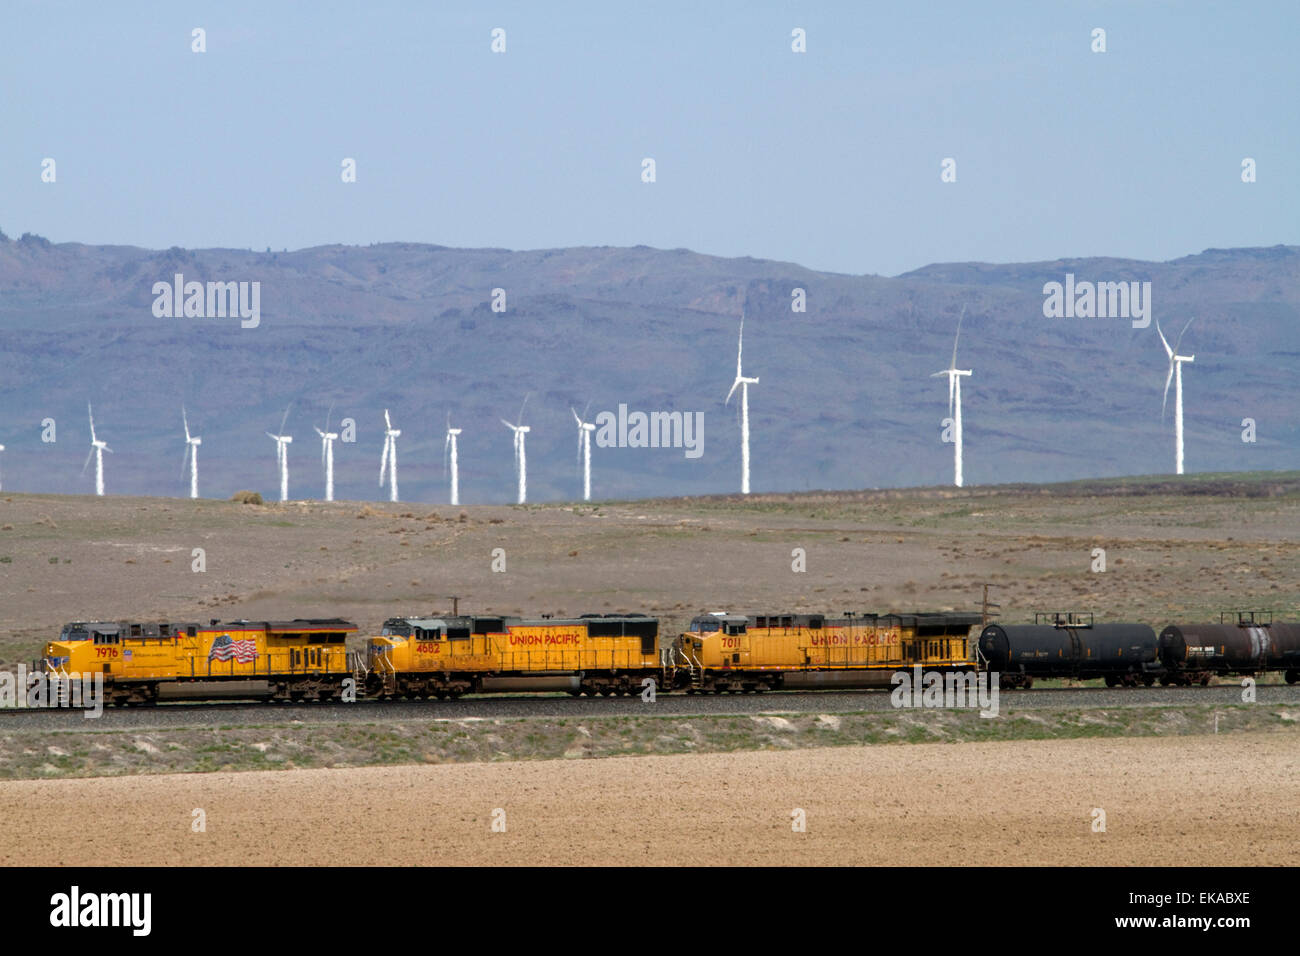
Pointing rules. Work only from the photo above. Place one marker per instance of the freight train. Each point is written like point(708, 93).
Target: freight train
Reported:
point(619, 654)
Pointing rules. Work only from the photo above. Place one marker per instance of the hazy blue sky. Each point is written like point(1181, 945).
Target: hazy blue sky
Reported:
point(829, 158)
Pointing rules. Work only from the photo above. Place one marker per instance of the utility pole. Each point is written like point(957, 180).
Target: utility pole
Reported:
point(988, 610)
point(455, 605)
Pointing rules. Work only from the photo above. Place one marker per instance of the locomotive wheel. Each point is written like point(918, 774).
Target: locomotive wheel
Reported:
point(1205, 681)
point(1148, 680)
point(1029, 682)
point(1111, 680)
point(1292, 676)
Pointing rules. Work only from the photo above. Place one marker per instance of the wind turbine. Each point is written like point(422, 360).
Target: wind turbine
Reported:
point(390, 455)
point(743, 384)
point(97, 449)
point(282, 441)
point(192, 453)
point(449, 445)
point(954, 401)
point(584, 449)
point(327, 439)
point(1176, 374)
point(521, 455)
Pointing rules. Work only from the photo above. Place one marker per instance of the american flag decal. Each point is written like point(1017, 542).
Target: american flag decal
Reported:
point(224, 649)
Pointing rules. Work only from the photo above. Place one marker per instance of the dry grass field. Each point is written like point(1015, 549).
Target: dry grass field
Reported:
point(1167, 802)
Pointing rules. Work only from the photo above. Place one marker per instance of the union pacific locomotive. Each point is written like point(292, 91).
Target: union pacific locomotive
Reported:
point(449, 656)
point(730, 653)
point(141, 663)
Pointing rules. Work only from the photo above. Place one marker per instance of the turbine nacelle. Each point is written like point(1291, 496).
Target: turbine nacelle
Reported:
point(740, 380)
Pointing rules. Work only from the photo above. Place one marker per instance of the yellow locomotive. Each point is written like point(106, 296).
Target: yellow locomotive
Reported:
point(730, 652)
point(449, 656)
point(282, 660)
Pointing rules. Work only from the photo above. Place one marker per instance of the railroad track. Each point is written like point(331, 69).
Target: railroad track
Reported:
point(496, 707)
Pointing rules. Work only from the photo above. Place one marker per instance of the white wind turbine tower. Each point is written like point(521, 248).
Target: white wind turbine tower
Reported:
point(97, 449)
point(390, 457)
point(585, 429)
point(743, 384)
point(521, 455)
point(449, 446)
point(282, 441)
point(954, 402)
point(1176, 374)
point(192, 444)
point(327, 439)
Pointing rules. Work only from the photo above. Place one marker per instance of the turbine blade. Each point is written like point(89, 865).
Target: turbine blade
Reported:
point(185, 459)
point(1182, 333)
point(586, 409)
point(575, 416)
point(285, 418)
point(521, 407)
point(740, 341)
point(187, 423)
point(1164, 341)
point(1168, 378)
point(387, 421)
point(89, 455)
point(383, 462)
point(508, 425)
point(734, 386)
point(91, 412)
point(957, 337)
